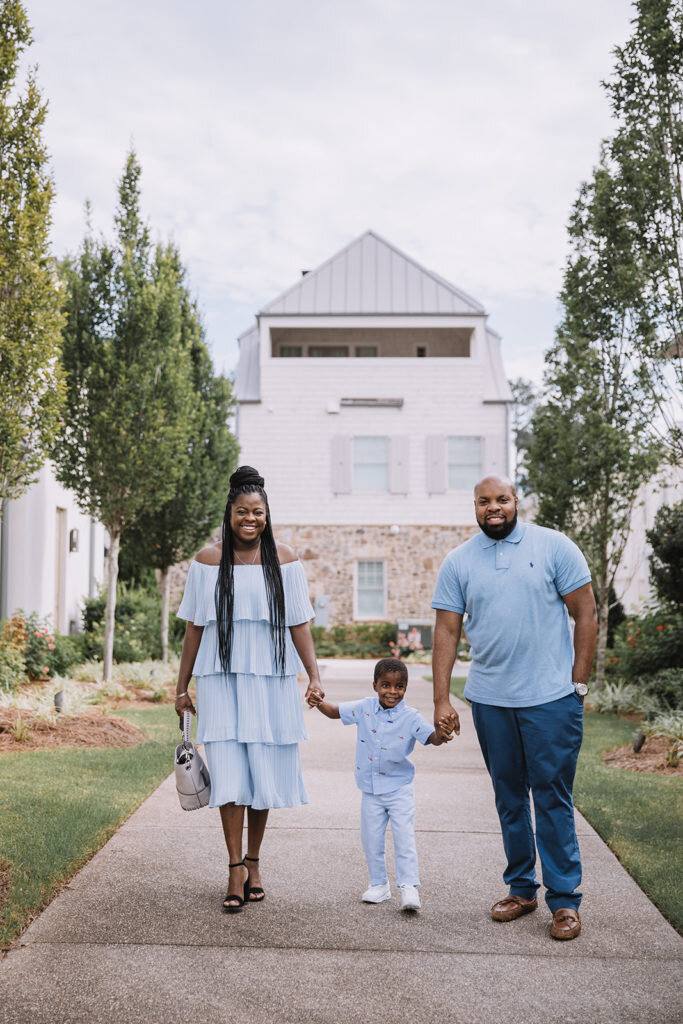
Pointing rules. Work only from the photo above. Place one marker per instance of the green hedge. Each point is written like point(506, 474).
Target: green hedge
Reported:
point(648, 644)
point(358, 640)
point(137, 633)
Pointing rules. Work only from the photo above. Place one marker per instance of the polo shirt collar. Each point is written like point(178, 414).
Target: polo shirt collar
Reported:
point(513, 538)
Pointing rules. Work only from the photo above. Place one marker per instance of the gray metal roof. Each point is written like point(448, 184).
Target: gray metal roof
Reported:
point(370, 276)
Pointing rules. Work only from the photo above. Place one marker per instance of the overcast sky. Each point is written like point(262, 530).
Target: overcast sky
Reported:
point(271, 133)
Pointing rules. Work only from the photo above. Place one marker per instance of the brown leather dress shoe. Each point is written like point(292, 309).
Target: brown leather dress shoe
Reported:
point(511, 907)
point(566, 923)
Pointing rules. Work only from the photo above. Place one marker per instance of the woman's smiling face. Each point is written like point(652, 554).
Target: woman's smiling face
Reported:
point(248, 518)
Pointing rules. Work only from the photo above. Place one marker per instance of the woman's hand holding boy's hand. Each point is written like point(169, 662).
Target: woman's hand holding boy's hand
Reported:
point(314, 696)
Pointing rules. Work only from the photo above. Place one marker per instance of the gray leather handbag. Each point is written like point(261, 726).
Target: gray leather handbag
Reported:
point(191, 774)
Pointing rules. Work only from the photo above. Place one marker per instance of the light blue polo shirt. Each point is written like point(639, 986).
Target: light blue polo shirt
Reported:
point(385, 738)
point(517, 623)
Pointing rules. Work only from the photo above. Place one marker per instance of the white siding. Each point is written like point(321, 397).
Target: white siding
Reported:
point(288, 437)
point(33, 558)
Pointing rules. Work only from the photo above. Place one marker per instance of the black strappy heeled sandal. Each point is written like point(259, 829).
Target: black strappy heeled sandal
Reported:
point(235, 907)
point(256, 890)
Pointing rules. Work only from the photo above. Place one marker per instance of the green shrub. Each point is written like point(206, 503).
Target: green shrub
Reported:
point(137, 633)
point(621, 698)
point(12, 668)
point(644, 646)
point(668, 724)
point(68, 651)
point(357, 640)
point(667, 686)
point(666, 560)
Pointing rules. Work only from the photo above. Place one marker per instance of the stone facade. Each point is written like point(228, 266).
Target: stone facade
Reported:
point(413, 556)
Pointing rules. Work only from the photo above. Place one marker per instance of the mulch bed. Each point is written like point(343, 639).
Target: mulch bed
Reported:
point(93, 729)
point(651, 758)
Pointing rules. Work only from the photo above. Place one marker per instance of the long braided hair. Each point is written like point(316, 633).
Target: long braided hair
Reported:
point(246, 480)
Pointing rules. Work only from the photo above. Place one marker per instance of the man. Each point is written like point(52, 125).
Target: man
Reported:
point(517, 582)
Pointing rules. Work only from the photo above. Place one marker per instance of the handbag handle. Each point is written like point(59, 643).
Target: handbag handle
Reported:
point(187, 722)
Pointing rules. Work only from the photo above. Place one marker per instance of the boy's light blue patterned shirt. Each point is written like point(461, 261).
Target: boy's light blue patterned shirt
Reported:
point(385, 738)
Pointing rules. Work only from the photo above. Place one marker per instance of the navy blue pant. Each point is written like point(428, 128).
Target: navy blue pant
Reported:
point(536, 749)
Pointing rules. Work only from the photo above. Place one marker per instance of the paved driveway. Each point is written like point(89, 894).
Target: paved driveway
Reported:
point(138, 936)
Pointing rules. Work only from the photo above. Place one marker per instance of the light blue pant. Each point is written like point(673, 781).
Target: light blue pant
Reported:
point(375, 814)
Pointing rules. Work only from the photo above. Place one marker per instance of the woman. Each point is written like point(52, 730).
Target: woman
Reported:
point(248, 632)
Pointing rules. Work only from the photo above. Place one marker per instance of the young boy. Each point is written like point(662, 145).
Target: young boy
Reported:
point(387, 730)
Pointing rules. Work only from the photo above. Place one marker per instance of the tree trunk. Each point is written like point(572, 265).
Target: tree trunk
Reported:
point(603, 616)
point(164, 581)
point(112, 577)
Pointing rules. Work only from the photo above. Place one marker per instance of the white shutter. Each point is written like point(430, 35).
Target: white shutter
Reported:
point(436, 463)
point(493, 456)
point(399, 465)
point(341, 464)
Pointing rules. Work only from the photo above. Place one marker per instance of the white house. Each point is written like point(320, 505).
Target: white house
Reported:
point(632, 582)
point(371, 396)
point(51, 555)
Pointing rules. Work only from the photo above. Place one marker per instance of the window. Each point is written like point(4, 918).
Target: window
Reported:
point(365, 351)
point(290, 351)
point(333, 351)
point(464, 462)
point(421, 351)
point(371, 463)
point(370, 590)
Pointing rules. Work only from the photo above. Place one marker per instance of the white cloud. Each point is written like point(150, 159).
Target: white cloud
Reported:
point(270, 134)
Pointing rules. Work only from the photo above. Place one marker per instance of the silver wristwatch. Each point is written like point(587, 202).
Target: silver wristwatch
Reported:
point(581, 689)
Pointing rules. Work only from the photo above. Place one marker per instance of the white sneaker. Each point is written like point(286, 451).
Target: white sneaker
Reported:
point(377, 893)
point(410, 897)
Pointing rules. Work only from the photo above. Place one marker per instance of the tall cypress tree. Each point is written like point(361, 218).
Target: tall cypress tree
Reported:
point(160, 538)
point(591, 446)
point(123, 445)
point(30, 318)
point(645, 156)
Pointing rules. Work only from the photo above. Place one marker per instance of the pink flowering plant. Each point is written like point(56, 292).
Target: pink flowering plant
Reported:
point(407, 644)
point(40, 643)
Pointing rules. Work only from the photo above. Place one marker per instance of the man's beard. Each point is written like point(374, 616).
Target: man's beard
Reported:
point(499, 532)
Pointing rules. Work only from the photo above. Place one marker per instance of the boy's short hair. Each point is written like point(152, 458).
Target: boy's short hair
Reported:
point(391, 665)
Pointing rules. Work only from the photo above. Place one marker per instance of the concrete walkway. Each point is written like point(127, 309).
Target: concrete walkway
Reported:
point(138, 935)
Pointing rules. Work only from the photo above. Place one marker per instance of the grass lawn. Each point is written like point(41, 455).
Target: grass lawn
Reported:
point(58, 807)
point(638, 814)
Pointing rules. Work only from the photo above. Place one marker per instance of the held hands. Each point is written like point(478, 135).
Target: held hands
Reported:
point(314, 695)
point(444, 730)
point(446, 719)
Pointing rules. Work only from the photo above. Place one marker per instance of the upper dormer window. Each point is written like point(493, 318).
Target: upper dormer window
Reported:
point(318, 342)
point(331, 351)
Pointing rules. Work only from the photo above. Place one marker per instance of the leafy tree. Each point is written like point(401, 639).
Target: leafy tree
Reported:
point(30, 319)
point(666, 560)
point(160, 538)
point(525, 397)
point(123, 443)
point(591, 447)
point(646, 158)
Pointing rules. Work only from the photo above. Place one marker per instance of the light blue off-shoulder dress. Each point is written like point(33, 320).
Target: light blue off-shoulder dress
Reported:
point(249, 719)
